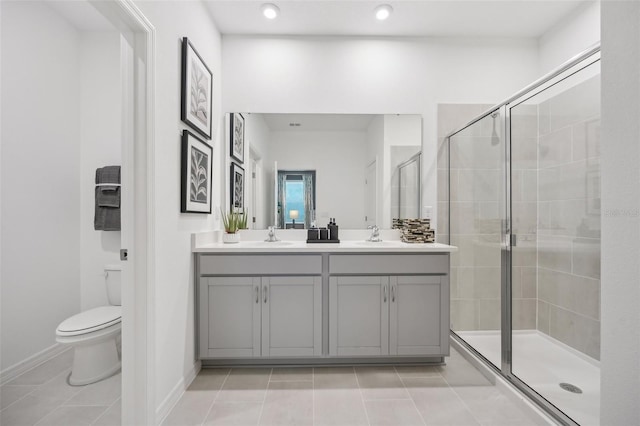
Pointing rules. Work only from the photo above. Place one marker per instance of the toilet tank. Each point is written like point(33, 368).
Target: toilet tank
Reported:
point(114, 288)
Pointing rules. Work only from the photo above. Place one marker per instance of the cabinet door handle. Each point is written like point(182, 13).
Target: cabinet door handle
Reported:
point(265, 289)
point(393, 293)
point(384, 289)
point(257, 294)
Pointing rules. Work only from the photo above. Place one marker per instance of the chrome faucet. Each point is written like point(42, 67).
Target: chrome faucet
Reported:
point(375, 234)
point(272, 235)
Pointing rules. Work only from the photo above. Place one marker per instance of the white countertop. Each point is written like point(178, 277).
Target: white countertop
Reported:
point(293, 241)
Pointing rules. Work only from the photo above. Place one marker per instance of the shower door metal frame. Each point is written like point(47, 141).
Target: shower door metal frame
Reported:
point(571, 67)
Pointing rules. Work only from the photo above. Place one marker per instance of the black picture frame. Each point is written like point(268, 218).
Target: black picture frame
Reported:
point(197, 91)
point(236, 136)
point(237, 185)
point(196, 174)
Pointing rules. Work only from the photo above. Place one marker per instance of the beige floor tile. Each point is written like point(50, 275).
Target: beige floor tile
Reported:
point(29, 410)
point(191, 409)
point(111, 417)
point(459, 372)
point(291, 373)
point(419, 371)
point(210, 379)
point(104, 392)
point(46, 371)
point(338, 407)
point(234, 414)
point(288, 403)
point(10, 394)
point(490, 406)
point(438, 403)
point(334, 378)
point(59, 388)
point(380, 383)
point(73, 416)
point(245, 385)
point(392, 413)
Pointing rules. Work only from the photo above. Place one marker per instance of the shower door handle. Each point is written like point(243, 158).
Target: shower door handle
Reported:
point(513, 240)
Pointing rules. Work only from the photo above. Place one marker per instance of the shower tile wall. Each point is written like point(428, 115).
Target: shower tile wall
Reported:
point(569, 217)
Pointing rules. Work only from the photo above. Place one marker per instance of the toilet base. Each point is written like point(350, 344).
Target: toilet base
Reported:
point(94, 362)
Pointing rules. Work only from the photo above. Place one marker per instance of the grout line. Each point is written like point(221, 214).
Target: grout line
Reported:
point(410, 397)
point(364, 405)
point(105, 411)
point(216, 397)
point(461, 400)
point(264, 399)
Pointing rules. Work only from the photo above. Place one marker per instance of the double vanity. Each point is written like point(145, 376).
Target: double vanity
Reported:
point(289, 302)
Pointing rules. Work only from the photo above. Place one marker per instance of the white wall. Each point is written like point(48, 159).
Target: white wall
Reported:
point(620, 355)
point(174, 288)
point(374, 76)
point(337, 159)
point(569, 37)
point(100, 136)
point(40, 168)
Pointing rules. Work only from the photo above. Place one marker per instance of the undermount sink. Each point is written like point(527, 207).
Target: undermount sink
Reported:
point(378, 243)
point(270, 243)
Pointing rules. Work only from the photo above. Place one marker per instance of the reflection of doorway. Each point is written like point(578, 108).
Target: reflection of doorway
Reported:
point(296, 198)
point(370, 194)
point(254, 198)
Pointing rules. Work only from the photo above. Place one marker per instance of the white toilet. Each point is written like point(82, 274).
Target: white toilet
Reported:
point(94, 334)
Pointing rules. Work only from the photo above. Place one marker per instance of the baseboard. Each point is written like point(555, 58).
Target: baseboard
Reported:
point(176, 393)
point(45, 355)
point(531, 408)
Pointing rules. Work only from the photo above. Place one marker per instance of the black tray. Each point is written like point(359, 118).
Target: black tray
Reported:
point(322, 241)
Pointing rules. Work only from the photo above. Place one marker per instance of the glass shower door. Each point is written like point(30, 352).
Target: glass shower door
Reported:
point(477, 194)
point(555, 247)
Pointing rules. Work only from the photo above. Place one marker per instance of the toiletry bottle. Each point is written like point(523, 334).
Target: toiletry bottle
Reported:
point(333, 230)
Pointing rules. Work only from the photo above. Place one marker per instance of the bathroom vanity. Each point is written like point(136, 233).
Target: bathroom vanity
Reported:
point(295, 303)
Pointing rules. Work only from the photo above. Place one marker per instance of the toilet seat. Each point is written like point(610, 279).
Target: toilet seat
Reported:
point(90, 321)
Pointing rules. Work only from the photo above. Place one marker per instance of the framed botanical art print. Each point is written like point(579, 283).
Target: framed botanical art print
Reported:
point(196, 175)
point(197, 90)
point(237, 186)
point(237, 136)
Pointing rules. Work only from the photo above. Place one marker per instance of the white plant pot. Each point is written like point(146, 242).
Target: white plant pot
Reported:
point(231, 238)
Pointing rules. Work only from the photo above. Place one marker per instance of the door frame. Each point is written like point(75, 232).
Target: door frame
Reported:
point(138, 221)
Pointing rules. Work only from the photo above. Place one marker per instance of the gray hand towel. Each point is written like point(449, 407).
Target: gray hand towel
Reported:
point(107, 199)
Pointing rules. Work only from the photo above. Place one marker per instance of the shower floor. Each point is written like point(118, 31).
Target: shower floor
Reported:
point(543, 363)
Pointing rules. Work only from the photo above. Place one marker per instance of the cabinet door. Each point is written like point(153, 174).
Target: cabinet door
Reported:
point(229, 317)
point(415, 315)
point(358, 316)
point(291, 316)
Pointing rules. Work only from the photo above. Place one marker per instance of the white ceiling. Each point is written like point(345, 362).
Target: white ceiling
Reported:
point(318, 122)
point(419, 18)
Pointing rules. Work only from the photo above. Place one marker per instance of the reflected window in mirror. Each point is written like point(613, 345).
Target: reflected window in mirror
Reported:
point(296, 198)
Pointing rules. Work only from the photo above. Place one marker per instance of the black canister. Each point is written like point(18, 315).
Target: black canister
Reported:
point(313, 234)
point(324, 234)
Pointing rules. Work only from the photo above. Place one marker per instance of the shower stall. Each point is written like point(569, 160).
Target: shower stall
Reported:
point(523, 206)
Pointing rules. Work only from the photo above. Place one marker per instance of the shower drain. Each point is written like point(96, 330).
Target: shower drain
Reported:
point(570, 388)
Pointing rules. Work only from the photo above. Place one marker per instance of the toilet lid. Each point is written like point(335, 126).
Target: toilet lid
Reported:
point(91, 320)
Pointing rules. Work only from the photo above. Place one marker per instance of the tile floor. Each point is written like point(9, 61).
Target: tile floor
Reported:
point(455, 394)
point(42, 396)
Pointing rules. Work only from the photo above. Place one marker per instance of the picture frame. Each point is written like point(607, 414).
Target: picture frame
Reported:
point(197, 90)
point(236, 178)
point(236, 139)
point(196, 174)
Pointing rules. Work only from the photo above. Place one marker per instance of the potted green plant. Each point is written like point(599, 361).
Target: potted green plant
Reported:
point(233, 221)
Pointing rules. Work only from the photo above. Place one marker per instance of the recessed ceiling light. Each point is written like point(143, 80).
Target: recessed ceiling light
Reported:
point(270, 10)
point(383, 11)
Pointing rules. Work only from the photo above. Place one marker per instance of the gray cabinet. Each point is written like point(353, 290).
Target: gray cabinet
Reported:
point(380, 315)
point(418, 305)
point(230, 317)
point(292, 316)
point(242, 317)
point(358, 316)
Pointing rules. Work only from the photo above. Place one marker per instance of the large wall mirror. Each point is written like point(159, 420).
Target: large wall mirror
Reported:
point(360, 169)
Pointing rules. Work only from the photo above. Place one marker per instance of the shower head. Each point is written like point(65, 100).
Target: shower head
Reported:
point(495, 139)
